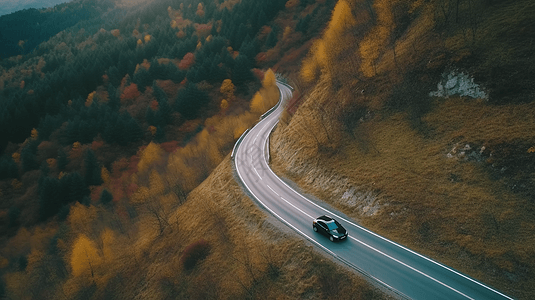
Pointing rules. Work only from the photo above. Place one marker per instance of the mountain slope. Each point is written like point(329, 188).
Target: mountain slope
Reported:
point(450, 178)
point(10, 6)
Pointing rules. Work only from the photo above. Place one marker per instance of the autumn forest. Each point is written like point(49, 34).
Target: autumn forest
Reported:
point(112, 113)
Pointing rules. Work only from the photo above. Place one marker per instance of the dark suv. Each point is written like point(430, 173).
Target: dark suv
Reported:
point(330, 227)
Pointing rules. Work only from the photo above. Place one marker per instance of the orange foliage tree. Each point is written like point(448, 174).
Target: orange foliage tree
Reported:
point(187, 61)
point(292, 3)
point(130, 93)
point(203, 30)
point(200, 10)
point(180, 34)
point(90, 99)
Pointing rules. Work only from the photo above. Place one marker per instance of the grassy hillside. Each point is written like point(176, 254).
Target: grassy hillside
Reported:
point(451, 178)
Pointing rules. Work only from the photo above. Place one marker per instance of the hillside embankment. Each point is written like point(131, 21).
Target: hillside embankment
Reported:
point(409, 118)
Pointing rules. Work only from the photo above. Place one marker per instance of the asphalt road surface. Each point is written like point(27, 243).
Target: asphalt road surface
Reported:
point(403, 271)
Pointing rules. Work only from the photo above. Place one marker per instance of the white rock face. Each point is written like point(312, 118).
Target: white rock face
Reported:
point(459, 84)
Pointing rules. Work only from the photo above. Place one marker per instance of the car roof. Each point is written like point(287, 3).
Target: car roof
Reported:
point(326, 218)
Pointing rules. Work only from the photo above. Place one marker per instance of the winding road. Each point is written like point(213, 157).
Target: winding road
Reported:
point(401, 270)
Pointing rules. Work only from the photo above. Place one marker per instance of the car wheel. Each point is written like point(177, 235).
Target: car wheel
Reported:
point(315, 228)
point(331, 238)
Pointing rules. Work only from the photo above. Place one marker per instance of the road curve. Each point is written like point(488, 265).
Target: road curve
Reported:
point(405, 272)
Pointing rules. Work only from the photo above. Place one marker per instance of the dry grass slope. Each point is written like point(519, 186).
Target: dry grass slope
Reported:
point(453, 178)
point(249, 258)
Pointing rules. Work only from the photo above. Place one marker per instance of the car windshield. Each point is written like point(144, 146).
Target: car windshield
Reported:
point(332, 226)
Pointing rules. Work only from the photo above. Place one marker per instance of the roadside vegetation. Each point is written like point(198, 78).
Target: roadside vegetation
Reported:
point(451, 178)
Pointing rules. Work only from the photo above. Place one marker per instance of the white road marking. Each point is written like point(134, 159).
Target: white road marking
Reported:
point(272, 190)
point(257, 173)
point(298, 209)
point(286, 222)
point(412, 268)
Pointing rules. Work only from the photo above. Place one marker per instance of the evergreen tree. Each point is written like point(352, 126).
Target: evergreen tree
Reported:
point(62, 160)
point(92, 168)
point(190, 100)
point(241, 73)
point(113, 102)
point(8, 168)
point(142, 78)
point(49, 198)
point(133, 131)
point(13, 214)
point(159, 137)
point(114, 76)
point(106, 197)
point(44, 172)
point(28, 157)
point(248, 47)
point(271, 40)
point(73, 188)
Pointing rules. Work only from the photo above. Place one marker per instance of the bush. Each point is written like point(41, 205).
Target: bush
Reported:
point(194, 253)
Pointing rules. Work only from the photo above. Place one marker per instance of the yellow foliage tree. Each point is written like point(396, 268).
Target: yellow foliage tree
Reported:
point(90, 98)
point(199, 45)
point(105, 175)
point(84, 257)
point(76, 145)
point(156, 184)
point(287, 32)
point(51, 162)
point(309, 69)
point(153, 130)
point(16, 157)
point(257, 104)
point(149, 155)
point(141, 195)
point(81, 218)
point(227, 89)
point(33, 259)
point(269, 79)
point(108, 238)
point(224, 104)
point(334, 41)
point(377, 38)
point(16, 184)
point(34, 134)
point(139, 42)
point(147, 38)
point(239, 130)
point(341, 20)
